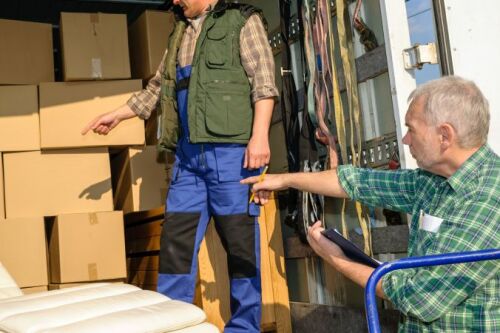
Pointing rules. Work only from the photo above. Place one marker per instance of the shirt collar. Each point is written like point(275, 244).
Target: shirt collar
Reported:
point(196, 22)
point(462, 181)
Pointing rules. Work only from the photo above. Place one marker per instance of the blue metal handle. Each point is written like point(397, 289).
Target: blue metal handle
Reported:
point(434, 260)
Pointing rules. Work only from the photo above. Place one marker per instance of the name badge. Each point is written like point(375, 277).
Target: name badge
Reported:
point(430, 223)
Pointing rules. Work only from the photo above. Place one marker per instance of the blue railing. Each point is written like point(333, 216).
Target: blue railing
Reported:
point(414, 262)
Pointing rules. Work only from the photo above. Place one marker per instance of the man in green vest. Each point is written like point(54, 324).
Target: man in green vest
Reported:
point(217, 103)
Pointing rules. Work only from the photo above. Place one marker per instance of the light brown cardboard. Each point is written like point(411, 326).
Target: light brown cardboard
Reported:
point(19, 123)
point(2, 198)
point(87, 247)
point(34, 290)
point(94, 46)
point(139, 180)
point(58, 182)
point(148, 39)
point(67, 107)
point(23, 250)
point(27, 53)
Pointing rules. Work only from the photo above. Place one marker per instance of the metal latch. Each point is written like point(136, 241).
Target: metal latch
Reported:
point(420, 54)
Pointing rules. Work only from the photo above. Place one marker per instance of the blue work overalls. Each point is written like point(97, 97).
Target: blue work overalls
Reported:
point(205, 184)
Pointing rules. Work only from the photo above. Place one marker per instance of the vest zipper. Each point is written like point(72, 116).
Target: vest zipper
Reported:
point(227, 81)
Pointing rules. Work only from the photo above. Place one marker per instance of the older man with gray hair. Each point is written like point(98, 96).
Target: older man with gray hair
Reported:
point(453, 199)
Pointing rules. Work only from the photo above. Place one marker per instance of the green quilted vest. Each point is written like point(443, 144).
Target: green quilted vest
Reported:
point(219, 98)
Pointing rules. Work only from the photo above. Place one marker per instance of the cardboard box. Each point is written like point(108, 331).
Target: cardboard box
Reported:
point(87, 247)
point(23, 251)
point(53, 183)
point(94, 46)
point(34, 290)
point(148, 39)
point(57, 286)
point(2, 198)
point(139, 180)
point(27, 55)
point(19, 123)
point(66, 108)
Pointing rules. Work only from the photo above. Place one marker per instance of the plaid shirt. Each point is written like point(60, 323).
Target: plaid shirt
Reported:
point(452, 298)
point(256, 58)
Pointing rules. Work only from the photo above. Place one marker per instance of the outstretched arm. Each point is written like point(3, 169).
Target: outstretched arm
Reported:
point(324, 183)
point(104, 123)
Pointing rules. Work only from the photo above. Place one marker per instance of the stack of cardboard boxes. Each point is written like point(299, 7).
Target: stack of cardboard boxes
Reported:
point(63, 194)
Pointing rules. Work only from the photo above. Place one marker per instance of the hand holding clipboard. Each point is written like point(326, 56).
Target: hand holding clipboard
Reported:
point(350, 249)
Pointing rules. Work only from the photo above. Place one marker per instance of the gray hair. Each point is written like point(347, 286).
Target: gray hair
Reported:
point(460, 103)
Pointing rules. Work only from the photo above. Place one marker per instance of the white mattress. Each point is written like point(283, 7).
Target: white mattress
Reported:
point(100, 308)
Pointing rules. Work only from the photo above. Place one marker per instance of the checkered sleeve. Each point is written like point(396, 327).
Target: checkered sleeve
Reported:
point(257, 59)
point(145, 101)
point(433, 292)
point(379, 188)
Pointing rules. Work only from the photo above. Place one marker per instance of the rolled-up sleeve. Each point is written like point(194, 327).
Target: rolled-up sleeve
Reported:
point(146, 100)
point(379, 188)
point(257, 59)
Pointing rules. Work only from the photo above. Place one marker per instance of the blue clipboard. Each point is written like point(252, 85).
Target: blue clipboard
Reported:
point(350, 249)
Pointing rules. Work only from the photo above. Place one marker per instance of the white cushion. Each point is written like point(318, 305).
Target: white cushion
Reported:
point(100, 308)
point(201, 328)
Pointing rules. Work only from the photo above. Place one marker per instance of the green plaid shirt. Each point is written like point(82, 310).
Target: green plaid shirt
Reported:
point(452, 298)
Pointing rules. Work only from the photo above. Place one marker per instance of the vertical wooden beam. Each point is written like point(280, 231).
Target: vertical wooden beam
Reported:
point(214, 280)
point(276, 258)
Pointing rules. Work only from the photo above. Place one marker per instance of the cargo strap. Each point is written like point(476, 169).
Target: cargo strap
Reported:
point(324, 78)
point(310, 60)
point(347, 55)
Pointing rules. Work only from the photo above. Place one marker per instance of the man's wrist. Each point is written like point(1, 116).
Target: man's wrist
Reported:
point(124, 112)
point(260, 133)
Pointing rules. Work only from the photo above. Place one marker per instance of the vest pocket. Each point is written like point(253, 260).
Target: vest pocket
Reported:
point(217, 51)
point(228, 112)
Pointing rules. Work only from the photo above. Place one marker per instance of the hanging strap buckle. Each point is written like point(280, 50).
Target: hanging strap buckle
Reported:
point(285, 71)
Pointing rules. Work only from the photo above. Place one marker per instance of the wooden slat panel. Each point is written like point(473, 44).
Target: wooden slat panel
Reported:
point(145, 216)
point(140, 278)
point(143, 263)
point(143, 245)
point(317, 318)
point(144, 230)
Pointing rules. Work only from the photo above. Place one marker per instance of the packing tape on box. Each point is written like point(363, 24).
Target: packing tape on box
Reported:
point(92, 269)
point(96, 68)
point(94, 17)
point(93, 218)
